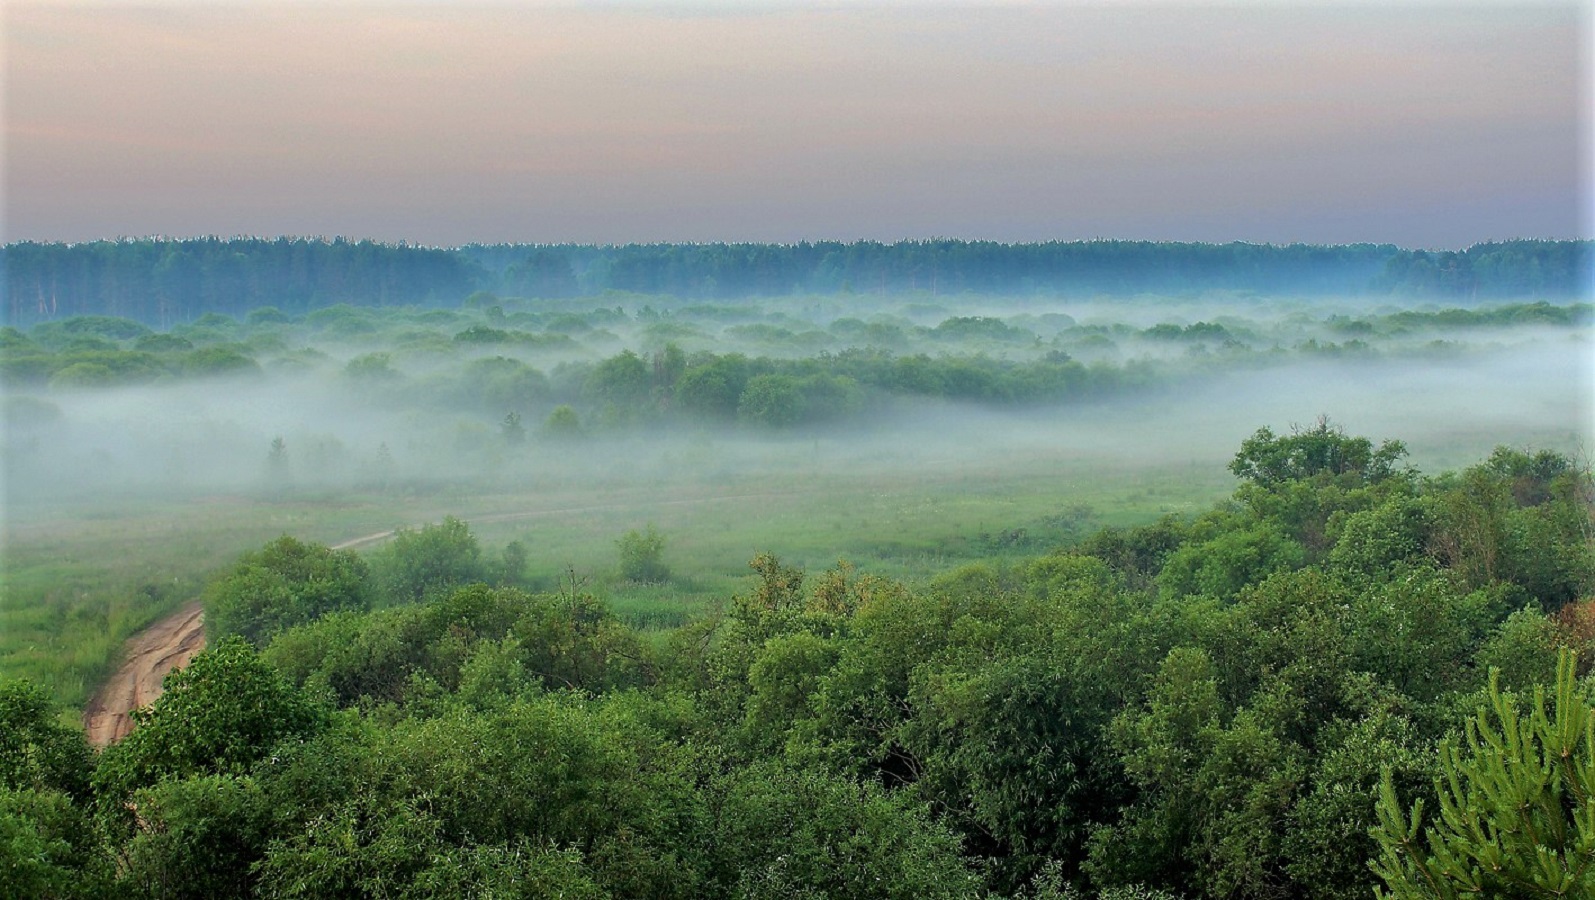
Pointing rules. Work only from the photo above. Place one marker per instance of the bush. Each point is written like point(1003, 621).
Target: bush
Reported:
point(641, 556)
point(429, 562)
point(285, 583)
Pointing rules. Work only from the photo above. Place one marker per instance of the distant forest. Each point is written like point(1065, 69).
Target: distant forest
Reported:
point(165, 282)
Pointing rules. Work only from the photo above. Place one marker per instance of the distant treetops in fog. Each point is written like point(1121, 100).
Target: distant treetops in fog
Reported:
point(162, 281)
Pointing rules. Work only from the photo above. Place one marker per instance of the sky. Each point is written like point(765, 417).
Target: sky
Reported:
point(1433, 124)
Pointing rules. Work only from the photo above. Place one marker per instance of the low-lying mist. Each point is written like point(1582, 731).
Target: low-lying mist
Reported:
point(311, 434)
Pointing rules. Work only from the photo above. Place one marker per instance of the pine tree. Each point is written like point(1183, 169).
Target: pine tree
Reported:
point(1517, 806)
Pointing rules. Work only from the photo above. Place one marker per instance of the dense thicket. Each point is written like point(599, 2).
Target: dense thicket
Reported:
point(160, 281)
point(1209, 707)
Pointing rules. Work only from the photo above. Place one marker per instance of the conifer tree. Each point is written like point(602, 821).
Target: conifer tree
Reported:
point(1516, 806)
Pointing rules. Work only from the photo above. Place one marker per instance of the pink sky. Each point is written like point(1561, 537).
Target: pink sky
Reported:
point(1438, 124)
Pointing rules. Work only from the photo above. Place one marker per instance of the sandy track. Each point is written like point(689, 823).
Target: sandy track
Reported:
point(176, 639)
point(151, 653)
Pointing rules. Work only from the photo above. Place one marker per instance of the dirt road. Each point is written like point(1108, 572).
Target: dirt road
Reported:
point(176, 639)
point(151, 653)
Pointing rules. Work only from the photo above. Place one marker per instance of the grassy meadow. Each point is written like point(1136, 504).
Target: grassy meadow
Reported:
point(904, 439)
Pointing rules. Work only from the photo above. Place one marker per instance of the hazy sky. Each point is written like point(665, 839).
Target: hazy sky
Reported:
point(1427, 125)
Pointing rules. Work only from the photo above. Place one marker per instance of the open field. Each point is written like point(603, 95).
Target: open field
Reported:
point(977, 438)
point(81, 578)
point(80, 581)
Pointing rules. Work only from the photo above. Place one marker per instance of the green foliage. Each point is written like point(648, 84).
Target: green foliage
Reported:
point(37, 752)
point(371, 368)
point(197, 838)
point(1327, 841)
point(48, 845)
point(220, 715)
point(642, 556)
point(210, 361)
point(1197, 708)
point(1418, 633)
point(1522, 650)
point(163, 343)
point(48, 848)
point(285, 583)
point(1222, 566)
point(424, 563)
point(563, 423)
point(1322, 450)
point(1382, 541)
point(797, 833)
point(465, 796)
point(774, 401)
point(1519, 520)
point(499, 383)
point(620, 386)
point(1516, 814)
point(494, 643)
point(712, 391)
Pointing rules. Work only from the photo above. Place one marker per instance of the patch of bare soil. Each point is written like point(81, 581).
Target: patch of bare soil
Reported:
point(158, 649)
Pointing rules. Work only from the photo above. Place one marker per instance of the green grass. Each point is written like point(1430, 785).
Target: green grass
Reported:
point(81, 579)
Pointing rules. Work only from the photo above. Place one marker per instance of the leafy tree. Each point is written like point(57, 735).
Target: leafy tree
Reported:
point(563, 423)
point(620, 385)
point(376, 810)
point(556, 642)
point(266, 315)
point(1215, 787)
point(1524, 649)
point(1220, 567)
point(1516, 814)
point(209, 361)
point(47, 844)
point(418, 564)
point(371, 368)
point(197, 838)
point(49, 848)
point(1327, 840)
point(1381, 542)
point(285, 583)
point(85, 374)
point(497, 383)
point(1322, 450)
point(1500, 523)
point(642, 556)
point(513, 560)
point(775, 401)
point(711, 389)
point(220, 715)
point(36, 750)
point(783, 832)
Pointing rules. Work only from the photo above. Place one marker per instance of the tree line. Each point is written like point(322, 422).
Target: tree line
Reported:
point(167, 281)
point(1347, 676)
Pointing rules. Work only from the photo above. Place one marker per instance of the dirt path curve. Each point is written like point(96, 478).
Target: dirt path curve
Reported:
point(151, 653)
point(149, 656)
point(176, 639)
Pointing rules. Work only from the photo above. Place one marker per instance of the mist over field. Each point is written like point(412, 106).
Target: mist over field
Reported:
point(1448, 392)
point(715, 451)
